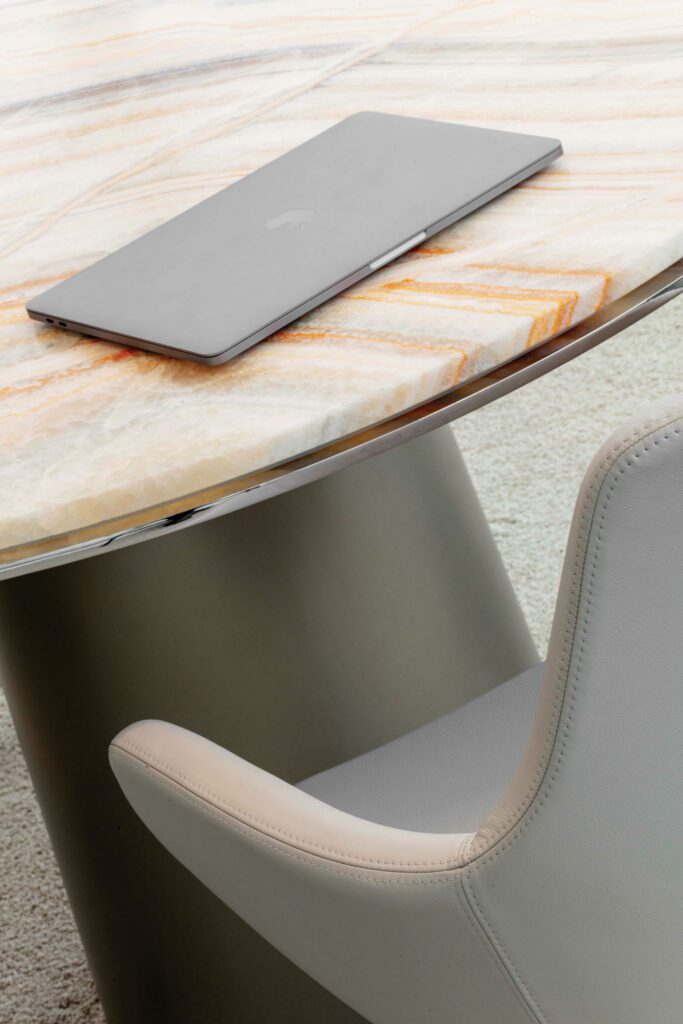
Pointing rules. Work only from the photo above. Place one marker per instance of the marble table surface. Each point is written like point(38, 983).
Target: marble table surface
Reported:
point(116, 116)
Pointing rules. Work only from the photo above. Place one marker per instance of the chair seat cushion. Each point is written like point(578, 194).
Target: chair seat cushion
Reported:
point(445, 776)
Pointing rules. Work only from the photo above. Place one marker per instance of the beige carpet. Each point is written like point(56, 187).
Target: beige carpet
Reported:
point(527, 454)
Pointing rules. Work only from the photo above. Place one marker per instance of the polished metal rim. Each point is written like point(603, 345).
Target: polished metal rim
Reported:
point(242, 491)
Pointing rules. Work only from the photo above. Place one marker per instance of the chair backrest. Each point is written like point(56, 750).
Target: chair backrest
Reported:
point(577, 876)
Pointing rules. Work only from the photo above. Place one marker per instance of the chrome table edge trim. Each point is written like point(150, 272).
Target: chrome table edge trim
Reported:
point(241, 492)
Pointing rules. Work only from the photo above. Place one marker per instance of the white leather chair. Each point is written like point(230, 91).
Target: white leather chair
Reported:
point(520, 859)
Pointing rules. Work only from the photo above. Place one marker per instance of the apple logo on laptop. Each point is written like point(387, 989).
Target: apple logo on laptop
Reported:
point(290, 219)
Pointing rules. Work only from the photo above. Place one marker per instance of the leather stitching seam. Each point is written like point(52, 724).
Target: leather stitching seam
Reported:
point(478, 845)
point(491, 951)
point(252, 832)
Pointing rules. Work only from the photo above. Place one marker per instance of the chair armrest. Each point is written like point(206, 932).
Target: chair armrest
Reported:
point(164, 769)
point(377, 915)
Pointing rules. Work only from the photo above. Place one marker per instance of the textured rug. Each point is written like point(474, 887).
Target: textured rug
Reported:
point(527, 454)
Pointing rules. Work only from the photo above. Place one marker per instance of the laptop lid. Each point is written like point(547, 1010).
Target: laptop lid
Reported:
point(226, 273)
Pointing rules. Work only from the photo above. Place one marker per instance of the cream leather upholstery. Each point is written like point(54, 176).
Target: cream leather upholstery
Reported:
point(445, 776)
point(561, 904)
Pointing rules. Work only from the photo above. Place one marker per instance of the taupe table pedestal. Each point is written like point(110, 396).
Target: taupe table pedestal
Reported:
point(297, 632)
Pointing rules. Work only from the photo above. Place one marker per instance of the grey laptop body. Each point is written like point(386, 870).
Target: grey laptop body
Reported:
point(238, 266)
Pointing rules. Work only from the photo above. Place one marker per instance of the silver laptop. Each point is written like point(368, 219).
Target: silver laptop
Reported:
point(228, 272)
